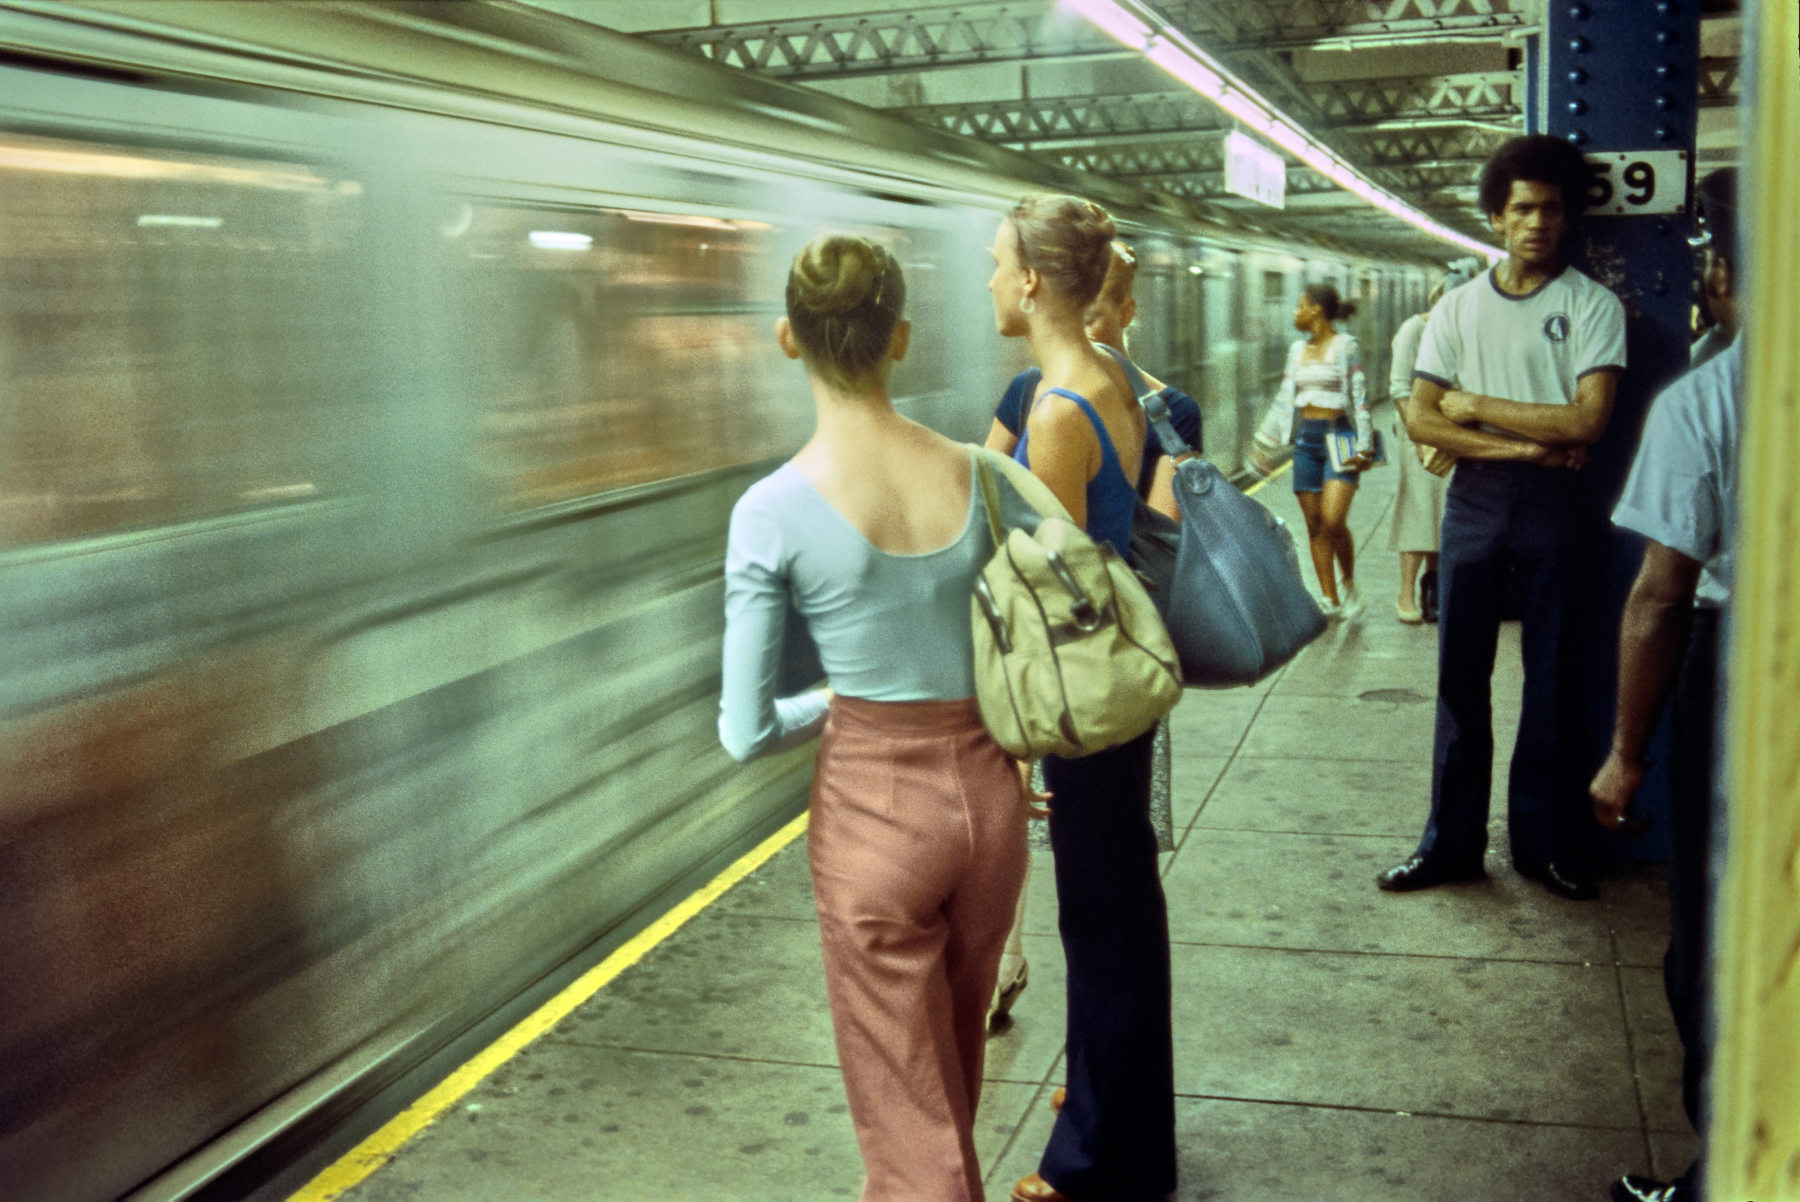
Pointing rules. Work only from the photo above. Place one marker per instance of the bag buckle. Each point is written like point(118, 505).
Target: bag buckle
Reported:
point(990, 609)
point(1081, 607)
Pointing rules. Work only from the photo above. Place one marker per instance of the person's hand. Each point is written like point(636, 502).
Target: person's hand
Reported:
point(1037, 805)
point(1574, 458)
point(1612, 790)
point(1360, 462)
point(1435, 460)
point(1459, 407)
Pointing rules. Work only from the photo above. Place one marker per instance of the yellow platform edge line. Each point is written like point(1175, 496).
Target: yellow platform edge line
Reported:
point(1274, 475)
point(374, 1152)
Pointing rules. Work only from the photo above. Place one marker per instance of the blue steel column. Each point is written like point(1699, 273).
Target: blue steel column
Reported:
point(1623, 75)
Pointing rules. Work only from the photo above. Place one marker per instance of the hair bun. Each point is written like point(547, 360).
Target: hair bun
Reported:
point(835, 275)
point(1067, 240)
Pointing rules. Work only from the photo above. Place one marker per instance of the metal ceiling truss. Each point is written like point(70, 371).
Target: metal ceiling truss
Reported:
point(1024, 122)
point(899, 41)
point(1348, 106)
point(1412, 147)
point(1200, 164)
point(985, 33)
point(1335, 24)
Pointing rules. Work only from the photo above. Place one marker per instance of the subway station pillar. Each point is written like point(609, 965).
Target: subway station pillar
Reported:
point(1621, 82)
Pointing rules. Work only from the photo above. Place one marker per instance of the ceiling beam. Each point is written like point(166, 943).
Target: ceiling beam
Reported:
point(1371, 106)
point(876, 43)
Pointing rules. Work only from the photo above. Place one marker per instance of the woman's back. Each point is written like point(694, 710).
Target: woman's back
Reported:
point(1088, 433)
point(878, 551)
point(903, 488)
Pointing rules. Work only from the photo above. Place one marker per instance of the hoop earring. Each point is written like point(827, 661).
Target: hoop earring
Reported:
point(1027, 305)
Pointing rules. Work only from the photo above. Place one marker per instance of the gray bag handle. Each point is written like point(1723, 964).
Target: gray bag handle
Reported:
point(1156, 410)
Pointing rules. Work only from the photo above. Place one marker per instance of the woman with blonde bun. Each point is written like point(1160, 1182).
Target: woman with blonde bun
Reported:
point(1084, 436)
point(875, 532)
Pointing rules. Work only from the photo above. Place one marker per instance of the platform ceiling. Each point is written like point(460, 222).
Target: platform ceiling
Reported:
point(1416, 93)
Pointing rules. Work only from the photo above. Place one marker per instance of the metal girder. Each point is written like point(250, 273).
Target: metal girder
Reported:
point(1404, 147)
point(1198, 157)
point(898, 41)
point(1063, 117)
point(1476, 95)
point(1305, 24)
point(1348, 106)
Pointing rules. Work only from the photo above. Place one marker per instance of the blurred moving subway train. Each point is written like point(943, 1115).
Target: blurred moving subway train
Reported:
point(375, 384)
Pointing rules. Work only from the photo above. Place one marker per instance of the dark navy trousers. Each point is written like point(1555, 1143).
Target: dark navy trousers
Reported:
point(1537, 522)
point(1687, 968)
point(1115, 1136)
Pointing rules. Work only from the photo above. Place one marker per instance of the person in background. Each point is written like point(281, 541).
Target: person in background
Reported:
point(1106, 321)
point(875, 532)
point(1419, 496)
point(1516, 378)
point(1716, 195)
point(1682, 497)
point(1084, 436)
point(1324, 392)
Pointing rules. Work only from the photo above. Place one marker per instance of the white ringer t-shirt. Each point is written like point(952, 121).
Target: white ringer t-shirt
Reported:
point(1533, 348)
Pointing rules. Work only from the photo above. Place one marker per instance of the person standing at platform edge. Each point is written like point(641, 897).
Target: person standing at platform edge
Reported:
point(875, 531)
point(1516, 379)
point(1322, 390)
point(1682, 497)
point(1114, 1137)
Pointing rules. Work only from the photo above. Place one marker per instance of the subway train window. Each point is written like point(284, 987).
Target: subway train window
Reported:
point(619, 346)
point(162, 317)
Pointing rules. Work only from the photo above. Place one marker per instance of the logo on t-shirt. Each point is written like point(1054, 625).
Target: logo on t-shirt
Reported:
point(1556, 327)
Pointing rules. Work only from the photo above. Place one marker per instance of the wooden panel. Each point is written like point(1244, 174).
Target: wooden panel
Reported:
point(1756, 1087)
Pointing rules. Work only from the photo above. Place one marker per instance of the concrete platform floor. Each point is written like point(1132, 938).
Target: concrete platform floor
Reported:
point(1483, 1043)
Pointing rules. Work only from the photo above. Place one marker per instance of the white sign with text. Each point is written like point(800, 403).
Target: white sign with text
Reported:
point(1638, 182)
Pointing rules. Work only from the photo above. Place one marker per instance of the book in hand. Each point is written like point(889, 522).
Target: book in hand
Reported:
point(1340, 449)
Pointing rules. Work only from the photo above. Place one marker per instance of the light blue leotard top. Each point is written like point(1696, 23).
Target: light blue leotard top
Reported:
point(889, 627)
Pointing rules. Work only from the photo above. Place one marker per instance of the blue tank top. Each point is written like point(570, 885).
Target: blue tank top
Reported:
point(1111, 499)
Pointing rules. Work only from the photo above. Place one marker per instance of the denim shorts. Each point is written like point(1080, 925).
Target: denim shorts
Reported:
point(1312, 465)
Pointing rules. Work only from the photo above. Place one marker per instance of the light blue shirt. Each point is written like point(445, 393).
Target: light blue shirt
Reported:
point(1683, 486)
point(889, 627)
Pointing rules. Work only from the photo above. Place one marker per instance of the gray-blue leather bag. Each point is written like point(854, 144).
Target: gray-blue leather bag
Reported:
point(1226, 578)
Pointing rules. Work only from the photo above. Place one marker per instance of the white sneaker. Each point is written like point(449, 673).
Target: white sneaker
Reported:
point(1349, 606)
point(1331, 609)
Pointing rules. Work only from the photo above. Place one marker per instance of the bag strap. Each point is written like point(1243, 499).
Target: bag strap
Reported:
point(990, 495)
point(1156, 409)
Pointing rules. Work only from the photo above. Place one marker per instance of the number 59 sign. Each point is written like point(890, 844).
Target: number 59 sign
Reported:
point(1627, 183)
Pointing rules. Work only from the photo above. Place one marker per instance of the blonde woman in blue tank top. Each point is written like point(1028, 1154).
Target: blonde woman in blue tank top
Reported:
point(875, 532)
point(1114, 1136)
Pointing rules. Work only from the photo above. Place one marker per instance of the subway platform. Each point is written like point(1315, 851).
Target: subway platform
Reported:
point(1478, 1043)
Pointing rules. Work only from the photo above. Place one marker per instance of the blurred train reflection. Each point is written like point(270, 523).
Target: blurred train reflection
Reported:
point(366, 448)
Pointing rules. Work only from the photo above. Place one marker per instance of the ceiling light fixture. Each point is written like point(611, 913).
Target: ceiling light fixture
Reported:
point(1137, 26)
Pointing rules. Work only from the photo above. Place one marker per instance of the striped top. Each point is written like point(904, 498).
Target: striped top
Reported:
point(1319, 384)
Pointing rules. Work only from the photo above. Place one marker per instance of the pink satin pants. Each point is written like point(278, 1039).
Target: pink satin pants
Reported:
point(917, 843)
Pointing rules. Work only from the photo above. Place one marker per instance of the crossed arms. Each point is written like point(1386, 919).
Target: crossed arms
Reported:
point(1553, 435)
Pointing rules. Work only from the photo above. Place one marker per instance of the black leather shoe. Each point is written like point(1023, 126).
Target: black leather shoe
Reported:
point(1421, 873)
point(1633, 1188)
point(1567, 883)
